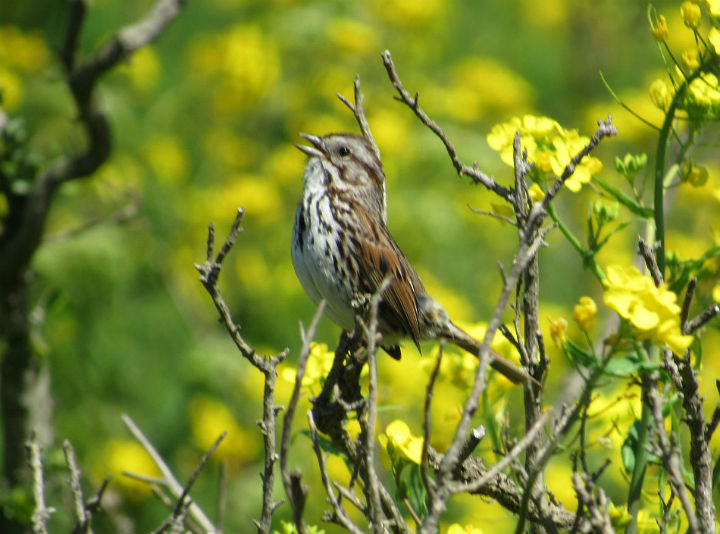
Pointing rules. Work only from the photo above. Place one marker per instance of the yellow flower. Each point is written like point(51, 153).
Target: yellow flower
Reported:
point(585, 311)
point(558, 329)
point(124, 455)
point(208, 419)
point(713, 7)
point(714, 38)
point(457, 528)
point(351, 36)
point(11, 88)
point(695, 175)
point(691, 14)
point(143, 68)
point(536, 193)
point(660, 29)
point(411, 13)
point(691, 58)
point(652, 310)
point(548, 144)
point(400, 442)
point(167, 158)
point(660, 94)
point(480, 84)
point(317, 368)
point(716, 293)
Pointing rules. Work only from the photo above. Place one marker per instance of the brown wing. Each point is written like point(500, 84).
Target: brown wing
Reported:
point(380, 257)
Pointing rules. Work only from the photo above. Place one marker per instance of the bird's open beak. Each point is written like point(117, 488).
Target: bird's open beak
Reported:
point(318, 150)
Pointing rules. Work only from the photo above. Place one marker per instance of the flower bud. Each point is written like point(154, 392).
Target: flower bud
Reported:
point(558, 328)
point(695, 175)
point(660, 29)
point(659, 94)
point(584, 313)
point(691, 14)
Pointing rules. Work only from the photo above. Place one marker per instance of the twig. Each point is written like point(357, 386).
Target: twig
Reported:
point(184, 501)
point(605, 129)
point(700, 320)
point(428, 482)
point(377, 521)
point(339, 512)
point(293, 488)
point(449, 463)
point(687, 301)
point(670, 455)
point(358, 110)
point(170, 481)
point(82, 525)
point(494, 215)
point(714, 419)
point(41, 513)
point(121, 215)
point(209, 274)
point(412, 102)
point(222, 496)
point(519, 447)
point(647, 253)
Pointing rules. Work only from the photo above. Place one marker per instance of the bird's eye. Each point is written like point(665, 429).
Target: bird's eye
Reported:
point(344, 151)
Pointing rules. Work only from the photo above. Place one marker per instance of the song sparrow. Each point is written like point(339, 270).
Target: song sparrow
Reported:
point(342, 251)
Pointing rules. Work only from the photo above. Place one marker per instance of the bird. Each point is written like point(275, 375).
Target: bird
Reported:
point(342, 252)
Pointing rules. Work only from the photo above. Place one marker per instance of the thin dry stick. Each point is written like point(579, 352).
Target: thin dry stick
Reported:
point(340, 515)
point(209, 274)
point(519, 447)
point(370, 329)
point(184, 500)
point(449, 461)
point(295, 492)
point(170, 481)
point(358, 110)
point(428, 482)
point(41, 513)
point(670, 455)
point(412, 102)
point(83, 525)
point(222, 496)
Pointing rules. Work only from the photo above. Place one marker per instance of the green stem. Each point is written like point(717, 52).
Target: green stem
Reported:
point(624, 199)
point(587, 255)
point(659, 192)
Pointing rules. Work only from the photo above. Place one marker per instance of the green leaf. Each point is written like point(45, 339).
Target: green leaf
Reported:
point(580, 356)
point(623, 367)
point(410, 485)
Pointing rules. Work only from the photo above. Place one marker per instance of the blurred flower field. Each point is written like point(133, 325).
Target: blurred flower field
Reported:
point(204, 122)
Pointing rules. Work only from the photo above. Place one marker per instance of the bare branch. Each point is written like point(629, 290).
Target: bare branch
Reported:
point(519, 447)
point(648, 255)
point(41, 513)
point(340, 515)
point(170, 481)
point(687, 301)
point(605, 128)
point(184, 501)
point(702, 319)
point(83, 525)
point(412, 102)
point(358, 110)
point(293, 488)
point(368, 433)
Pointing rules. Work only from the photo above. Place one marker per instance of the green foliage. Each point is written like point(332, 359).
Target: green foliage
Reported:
point(204, 122)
